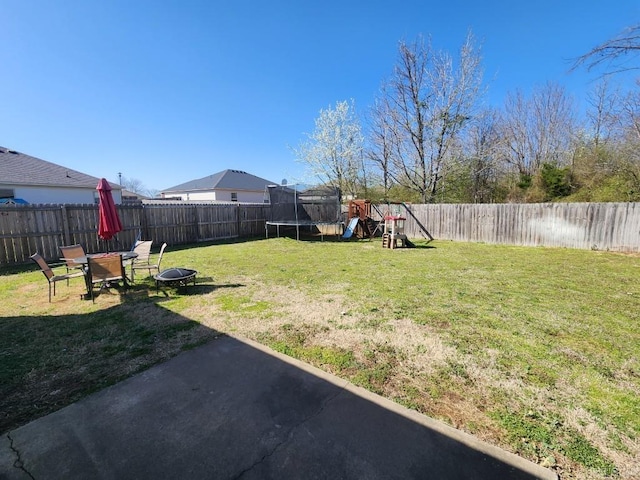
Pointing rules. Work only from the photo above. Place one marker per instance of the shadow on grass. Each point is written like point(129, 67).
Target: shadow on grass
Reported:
point(424, 246)
point(197, 289)
point(51, 361)
point(376, 241)
point(147, 288)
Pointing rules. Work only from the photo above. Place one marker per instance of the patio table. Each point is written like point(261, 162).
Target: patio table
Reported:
point(128, 255)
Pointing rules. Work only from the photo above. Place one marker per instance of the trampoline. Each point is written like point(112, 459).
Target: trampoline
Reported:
point(313, 208)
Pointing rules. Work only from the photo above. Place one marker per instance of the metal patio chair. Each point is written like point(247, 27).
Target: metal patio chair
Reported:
point(149, 265)
point(143, 260)
point(69, 254)
point(49, 274)
point(105, 270)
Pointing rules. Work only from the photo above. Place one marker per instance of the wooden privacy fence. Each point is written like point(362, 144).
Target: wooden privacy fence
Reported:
point(26, 229)
point(597, 226)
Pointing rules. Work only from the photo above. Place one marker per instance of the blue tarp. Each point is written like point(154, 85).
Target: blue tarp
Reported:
point(13, 201)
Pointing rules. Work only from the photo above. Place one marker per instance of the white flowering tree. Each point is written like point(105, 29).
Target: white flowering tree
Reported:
point(333, 152)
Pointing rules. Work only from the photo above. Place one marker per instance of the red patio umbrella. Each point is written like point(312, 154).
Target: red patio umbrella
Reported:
point(109, 222)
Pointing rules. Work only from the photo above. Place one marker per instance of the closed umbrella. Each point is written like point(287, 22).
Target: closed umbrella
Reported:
point(109, 222)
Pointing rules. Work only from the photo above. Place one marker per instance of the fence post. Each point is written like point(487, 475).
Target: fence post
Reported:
point(196, 223)
point(238, 221)
point(66, 231)
point(144, 228)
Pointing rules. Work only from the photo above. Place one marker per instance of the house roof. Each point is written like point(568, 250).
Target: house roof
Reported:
point(129, 194)
point(20, 169)
point(225, 180)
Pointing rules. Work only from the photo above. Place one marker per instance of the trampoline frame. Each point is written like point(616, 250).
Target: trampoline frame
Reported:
point(296, 221)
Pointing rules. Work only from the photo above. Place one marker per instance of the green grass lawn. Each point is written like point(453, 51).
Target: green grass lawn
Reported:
point(536, 350)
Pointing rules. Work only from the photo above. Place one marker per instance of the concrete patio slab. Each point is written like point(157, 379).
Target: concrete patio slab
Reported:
point(233, 409)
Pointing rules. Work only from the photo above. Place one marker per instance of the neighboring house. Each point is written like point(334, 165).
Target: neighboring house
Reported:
point(132, 197)
point(225, 186)
point(32, 180)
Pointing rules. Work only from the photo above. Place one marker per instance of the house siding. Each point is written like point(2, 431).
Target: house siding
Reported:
point(219, 195)
point(199, 196)
point(243, 197)
point(57, 195)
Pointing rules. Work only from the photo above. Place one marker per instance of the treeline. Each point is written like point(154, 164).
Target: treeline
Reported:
point(428, 138)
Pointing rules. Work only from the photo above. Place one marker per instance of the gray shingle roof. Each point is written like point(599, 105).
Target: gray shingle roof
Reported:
point(227, 179)
point(20, 169)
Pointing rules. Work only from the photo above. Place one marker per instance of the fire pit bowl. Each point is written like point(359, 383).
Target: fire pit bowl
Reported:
point(178, 277)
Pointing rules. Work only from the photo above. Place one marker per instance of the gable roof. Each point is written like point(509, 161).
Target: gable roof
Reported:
point(225, 180)
point(20, 169)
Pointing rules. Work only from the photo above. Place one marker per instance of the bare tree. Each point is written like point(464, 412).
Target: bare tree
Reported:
point(152, 192)
point(134, 185)
point(602, 112)
point(381, 140)
point(630, 123)
point(333, 153)
point(595, 158)
point(482, 147)
point(426, 103)
point(619, 53)
point(406, 99)
point(608, 163)
point(457, 91)
point(538, 129)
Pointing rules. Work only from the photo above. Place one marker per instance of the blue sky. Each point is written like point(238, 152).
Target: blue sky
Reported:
point(169, 91)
